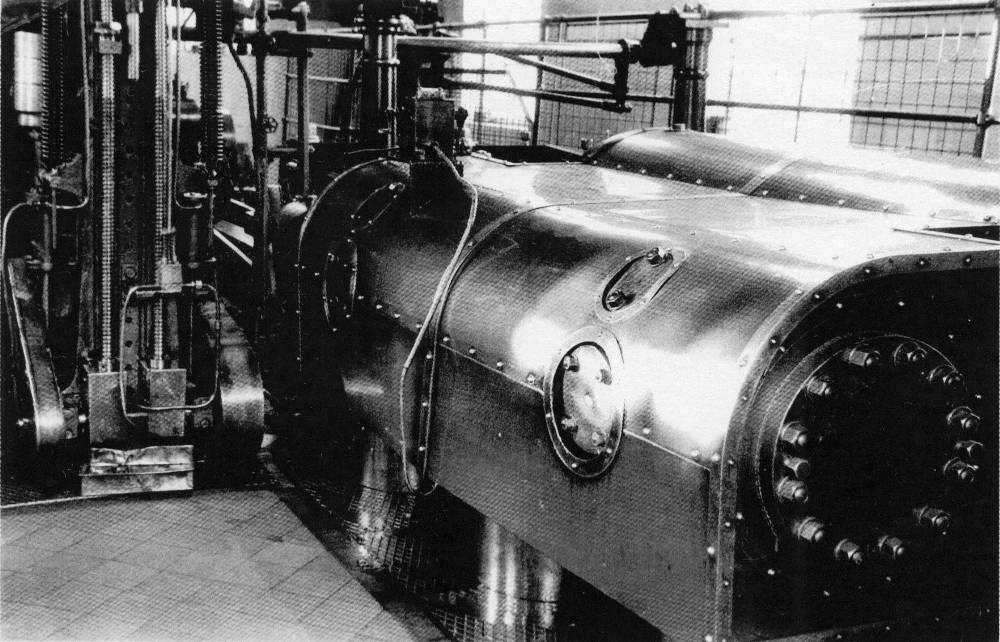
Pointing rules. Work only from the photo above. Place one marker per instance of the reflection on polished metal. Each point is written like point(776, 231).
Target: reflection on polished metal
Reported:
point(933, 517)
point(964, 419)
point(517, 584)
point(810, 530)
point(891, 547)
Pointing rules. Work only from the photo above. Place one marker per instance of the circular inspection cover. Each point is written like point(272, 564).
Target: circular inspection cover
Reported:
point(585, 408)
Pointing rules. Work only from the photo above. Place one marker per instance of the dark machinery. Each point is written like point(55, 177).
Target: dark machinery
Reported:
point(746, 394)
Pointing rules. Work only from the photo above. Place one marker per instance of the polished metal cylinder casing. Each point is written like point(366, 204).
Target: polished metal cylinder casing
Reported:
point(624, 369)
point(28, 78)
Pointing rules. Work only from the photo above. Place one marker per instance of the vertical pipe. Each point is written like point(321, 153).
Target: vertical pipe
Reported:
point(378, 91)
point(689, 99)
point(302, 84)
point(107, 248)
point(260, 160)
point(542, 32)
point(983, 119)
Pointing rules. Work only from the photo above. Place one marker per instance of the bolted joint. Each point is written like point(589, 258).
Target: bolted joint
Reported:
point(792, 490)
point(861, 358)
point(809, 530)
point(909, 355)
point(891, 547)
point(947, 379)
point(962, 418)
point(800, 468)
point(969, 450)
point(794, 434)
point(932, 517)
point(848, 551)
point(958, 470)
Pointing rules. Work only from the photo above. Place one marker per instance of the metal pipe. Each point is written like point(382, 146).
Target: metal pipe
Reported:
point(564, 49)
point(985, 118)
point(302, 85)
point(863, 113)
point(262, 213)
point(568, 98)
point(562, 71)
point(378, 92)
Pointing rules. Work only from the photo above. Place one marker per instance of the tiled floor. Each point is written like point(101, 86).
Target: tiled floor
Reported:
point(215, 566)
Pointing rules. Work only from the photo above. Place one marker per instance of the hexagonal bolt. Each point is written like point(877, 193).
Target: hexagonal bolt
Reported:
point(616, 299)
point(862, 358)
point(800, 468)
point(932, 517)
point(795, 435)
point(947, 379)
point(962, 418)
point(792, 490)
point(570, 363)
point(848, 551)
point(958, 470)
point(820, 388)
point(969, 450)
point(809, 530)
point(891, 547)
point(909, 355)
point(658, 256)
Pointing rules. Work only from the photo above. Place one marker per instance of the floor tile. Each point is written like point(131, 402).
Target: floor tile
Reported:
point(206, 565)
point(103, 545)
point(288, 553)
point(169, 586)
point(154, 555)
point(52, 539)
point(320, 584)
point(14, 557)
point(342, 619)
point(120, 574)
point(261, 574)
point(100, 627)
point(80, 596)
point(24, 588)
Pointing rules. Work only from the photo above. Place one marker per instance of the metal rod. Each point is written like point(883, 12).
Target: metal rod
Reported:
point(566, 98)
point(562, 71)
point(262, 213)
point(565, 49)
point(985, 118)
point(329, 79)
point(863, 113)
point(302, 94)
point(542, 37)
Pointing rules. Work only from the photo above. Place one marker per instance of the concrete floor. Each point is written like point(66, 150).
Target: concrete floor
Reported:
point(213, 566)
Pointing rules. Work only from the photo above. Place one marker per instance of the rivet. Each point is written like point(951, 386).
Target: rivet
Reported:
point(885, 208)
point(901, 304)
point(711, 551)
point(802, 197)
point(446, 339)
point(764, 192)
point(695, 455)
point(698, 181)
point(716, 458)
point(500, 365)
point(727, 524)
point(709, 638)
point(967, 260)
point(424, 404)
point(739, 516)
point(731, 461)
point(670, 176)
point(642, 171)
point(922, 262)
point(395, 315)
point(421, 448)
point(817, 296)
point(418, 325)
point(725, 583)
point(771, 572)
point(531, 378)
point(574, 465)
point(867, 270)
point(729, 188)
point(839, 306)
point(773, 341)
point(429, 355)
point(646, 431)
point(840, 201)
point(472, 352)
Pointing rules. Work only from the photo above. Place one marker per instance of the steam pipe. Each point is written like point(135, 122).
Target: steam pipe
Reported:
point(107, 32)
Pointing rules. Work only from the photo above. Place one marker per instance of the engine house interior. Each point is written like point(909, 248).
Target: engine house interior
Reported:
point(541, 311)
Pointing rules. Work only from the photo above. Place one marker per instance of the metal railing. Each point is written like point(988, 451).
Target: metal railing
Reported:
point(919, 77)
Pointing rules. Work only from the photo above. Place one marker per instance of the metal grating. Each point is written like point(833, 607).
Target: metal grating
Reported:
point(927, 64)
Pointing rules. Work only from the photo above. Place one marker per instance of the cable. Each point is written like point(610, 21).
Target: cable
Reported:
point(254, 131)
point(433, 317)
